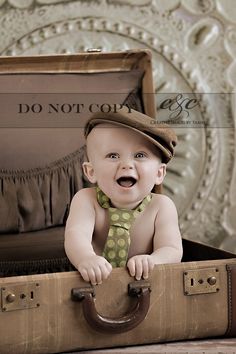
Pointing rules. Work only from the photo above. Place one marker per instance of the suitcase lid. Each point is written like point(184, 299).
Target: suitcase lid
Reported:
point(42, 140)
point(124, 76)
point(91, 62)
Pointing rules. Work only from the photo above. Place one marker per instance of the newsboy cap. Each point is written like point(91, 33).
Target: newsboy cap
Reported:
point(159, 134)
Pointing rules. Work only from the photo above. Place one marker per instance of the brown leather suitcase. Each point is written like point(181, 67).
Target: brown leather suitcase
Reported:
point(56, 311)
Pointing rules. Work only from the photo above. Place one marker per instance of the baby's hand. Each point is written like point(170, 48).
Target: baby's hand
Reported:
point(94, 269)
point(140, 266)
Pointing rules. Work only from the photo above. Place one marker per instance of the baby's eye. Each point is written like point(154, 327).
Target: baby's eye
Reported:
point(113, 155)
point(140, 155)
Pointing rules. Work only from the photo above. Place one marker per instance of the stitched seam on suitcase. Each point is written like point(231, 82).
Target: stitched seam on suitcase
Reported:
point(229, 276)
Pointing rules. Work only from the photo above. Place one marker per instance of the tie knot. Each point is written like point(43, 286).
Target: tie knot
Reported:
point(103, 199)
point(122, 217)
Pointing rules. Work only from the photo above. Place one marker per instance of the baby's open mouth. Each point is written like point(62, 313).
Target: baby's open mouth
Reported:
point(126, 181)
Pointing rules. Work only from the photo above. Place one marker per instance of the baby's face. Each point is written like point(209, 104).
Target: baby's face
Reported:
point(123, 163)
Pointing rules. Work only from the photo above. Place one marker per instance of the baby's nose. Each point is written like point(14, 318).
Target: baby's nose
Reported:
point(127, 165)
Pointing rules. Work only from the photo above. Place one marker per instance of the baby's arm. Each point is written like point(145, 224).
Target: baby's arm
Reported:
point(78, 239)
point(167, 242)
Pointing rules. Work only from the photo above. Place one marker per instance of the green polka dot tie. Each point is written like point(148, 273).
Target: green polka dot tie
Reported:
point(118, 240)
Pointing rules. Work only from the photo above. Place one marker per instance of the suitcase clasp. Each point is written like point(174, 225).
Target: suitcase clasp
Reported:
point(19, 297)
point(201, 281)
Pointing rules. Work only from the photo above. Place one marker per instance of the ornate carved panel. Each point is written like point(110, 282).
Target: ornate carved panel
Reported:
point(194, 55)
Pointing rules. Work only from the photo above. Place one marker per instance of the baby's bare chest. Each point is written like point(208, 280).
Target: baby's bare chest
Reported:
point(141, 231)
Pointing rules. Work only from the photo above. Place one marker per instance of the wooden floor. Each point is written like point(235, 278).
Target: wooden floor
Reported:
point(213, 346)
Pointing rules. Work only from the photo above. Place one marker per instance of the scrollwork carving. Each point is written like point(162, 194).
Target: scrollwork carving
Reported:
point(198, 7)
point(227, 9)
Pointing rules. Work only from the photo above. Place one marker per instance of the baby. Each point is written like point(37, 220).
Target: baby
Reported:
point(121, 223)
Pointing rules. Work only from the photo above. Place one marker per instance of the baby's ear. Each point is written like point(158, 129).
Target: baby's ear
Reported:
point(161, 173)
point(89, 172)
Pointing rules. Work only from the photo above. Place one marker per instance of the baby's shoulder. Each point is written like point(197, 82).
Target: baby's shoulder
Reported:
point(162, 201)
point(161, 198)
point(85, 194)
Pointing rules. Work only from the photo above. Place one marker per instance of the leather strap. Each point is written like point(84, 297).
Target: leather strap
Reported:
point(231, 273)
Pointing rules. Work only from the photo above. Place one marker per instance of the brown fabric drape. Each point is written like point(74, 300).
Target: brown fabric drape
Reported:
point(39, 198)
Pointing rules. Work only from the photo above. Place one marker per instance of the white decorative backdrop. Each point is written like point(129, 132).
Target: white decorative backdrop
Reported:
point(193, 43)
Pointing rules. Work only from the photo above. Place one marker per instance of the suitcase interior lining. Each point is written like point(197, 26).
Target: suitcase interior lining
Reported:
point(193, 252)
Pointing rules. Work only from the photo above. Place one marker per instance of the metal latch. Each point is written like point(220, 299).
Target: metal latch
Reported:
point(135, 288)
point(19, 297)
point(77, 294)
point(201, 281)
point(94, 50)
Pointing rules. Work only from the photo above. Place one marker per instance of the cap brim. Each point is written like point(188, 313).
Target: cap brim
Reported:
point(165, 153)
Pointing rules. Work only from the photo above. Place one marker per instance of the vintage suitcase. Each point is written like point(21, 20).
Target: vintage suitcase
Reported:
point(49, 98)
point(58, 312)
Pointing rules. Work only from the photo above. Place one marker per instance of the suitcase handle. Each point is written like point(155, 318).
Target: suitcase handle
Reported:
point(138, 289)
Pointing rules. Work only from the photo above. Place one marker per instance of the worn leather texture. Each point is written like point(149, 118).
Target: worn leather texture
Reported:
point(58, 324)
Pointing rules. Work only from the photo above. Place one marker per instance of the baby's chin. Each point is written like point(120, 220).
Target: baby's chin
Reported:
point(126, 201)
